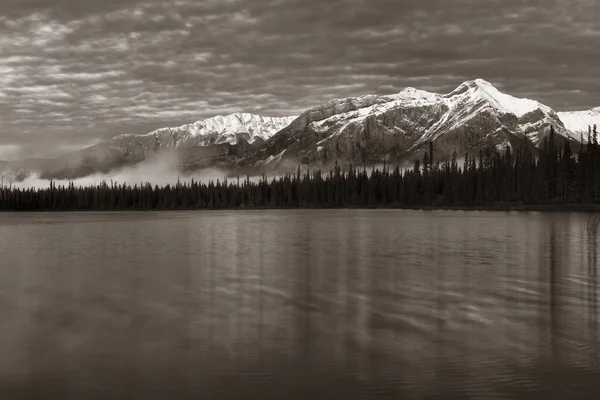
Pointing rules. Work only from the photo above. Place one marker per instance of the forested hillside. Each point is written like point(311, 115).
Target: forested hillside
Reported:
point(556, 176)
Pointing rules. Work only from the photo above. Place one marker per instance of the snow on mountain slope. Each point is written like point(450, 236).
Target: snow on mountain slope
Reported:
point(482, 90)
point(373, 128)
point(366, 129)
point(579, 121)
point(409, 97)
point(462, 104)
point(201, 143)
point(472, 98)
point(227, 126)
point(218, 130)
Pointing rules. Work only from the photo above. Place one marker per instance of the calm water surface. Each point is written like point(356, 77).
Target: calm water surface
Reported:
point(298, 304)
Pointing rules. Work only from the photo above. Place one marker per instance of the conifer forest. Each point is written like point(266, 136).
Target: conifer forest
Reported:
point(555, 175)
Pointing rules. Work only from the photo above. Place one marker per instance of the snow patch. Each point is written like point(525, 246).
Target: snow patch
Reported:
point(272, 159)
point(579, 121)
point(483, 90)
point(467, 101)
point(226, 128)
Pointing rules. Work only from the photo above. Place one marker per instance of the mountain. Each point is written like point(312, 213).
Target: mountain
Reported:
point(212, 131)
point(578, 122)
point(202, 143)
point(201, 140)
point(368, 129)
point(397, 128)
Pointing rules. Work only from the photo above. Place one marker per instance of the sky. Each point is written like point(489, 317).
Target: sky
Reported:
point(73, 72)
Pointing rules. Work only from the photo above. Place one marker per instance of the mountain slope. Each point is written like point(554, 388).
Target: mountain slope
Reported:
point(196, 144)
point(368, 129)
point(578, 122)
point(216, 130)
point(395, 128)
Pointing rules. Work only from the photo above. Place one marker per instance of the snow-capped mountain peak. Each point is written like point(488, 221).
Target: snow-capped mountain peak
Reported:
point(216, 130)
point(468, 101)
point(482, 90)
point(366, 129)
point(231, 124)
point(580, 121)
point(414, 96)
point(465, 102)
point(474, 116)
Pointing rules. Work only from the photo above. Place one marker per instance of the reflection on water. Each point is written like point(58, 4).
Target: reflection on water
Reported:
point(299, 304)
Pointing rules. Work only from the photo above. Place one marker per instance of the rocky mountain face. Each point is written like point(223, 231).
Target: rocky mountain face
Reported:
point(397, 128)
point(195, 145)
point(369, 129)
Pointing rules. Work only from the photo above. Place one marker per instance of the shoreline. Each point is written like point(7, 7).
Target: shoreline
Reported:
point(580, 207)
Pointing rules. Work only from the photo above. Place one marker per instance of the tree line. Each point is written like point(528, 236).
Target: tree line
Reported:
point(556, 175)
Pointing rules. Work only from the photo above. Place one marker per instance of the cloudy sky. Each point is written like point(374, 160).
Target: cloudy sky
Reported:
point(76, 71)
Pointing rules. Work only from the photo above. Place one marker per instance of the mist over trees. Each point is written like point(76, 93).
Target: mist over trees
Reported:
point(556, 176)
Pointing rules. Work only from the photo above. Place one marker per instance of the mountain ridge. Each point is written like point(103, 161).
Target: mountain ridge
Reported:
point(364, 129)
point(375, 129)
point(223, 128)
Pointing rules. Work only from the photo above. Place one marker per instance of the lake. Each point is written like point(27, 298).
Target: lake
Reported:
point(299, 304)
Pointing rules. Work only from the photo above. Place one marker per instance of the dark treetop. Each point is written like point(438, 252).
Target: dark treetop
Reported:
point(556, 176)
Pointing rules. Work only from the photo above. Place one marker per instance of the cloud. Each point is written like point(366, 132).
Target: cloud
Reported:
point(8, 152)
point(73, 72)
